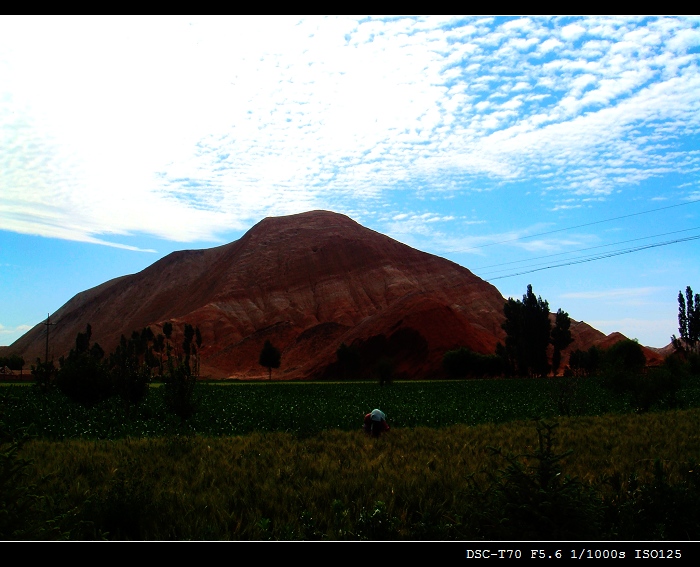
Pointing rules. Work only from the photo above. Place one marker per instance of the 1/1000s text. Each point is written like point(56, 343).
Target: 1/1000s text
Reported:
point(585, 553)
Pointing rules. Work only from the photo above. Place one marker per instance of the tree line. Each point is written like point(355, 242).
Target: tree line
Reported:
point(529, 334)
point(88, 375)
point(14, 362)
point(621, 368)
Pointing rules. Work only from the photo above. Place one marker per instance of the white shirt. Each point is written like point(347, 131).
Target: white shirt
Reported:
point(378, 415)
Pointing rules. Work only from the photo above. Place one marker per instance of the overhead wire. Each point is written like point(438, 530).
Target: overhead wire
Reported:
point(587, 248)
point(600, 257)
point(584, 259)
point(578, 226)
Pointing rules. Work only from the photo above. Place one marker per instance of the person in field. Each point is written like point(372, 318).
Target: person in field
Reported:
point(375, 423)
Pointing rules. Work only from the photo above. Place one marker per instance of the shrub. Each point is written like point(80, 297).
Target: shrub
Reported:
point(530, 499)
point(658, 510)
point(625, 373)
point(129, 376)
point(567, 393)
point(463, 362)
point(623, 363)
point(25, 514)
point(385, 370)
point(585, 362)
point(83, 376)
point(44, 374)
point(179, 387)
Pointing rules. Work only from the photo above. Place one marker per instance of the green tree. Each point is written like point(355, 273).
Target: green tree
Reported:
point(179, 384)
point(13, 362)
point(348, 359)
point(623, 364)
point(463, 362)
point(527, 328)
point(159, 347)
point(168, 331)
point(561, 337)
point(585, 362)
point(130, 375)
point(270, 357)
point(688, 322)
point(83, 375)
point(385, 370)
point(529, 333)
point(44, 374)
point(625, 372)
point(187, 342)
point(198, 342)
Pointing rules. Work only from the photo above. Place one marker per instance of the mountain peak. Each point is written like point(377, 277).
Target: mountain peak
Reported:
point(307, 282)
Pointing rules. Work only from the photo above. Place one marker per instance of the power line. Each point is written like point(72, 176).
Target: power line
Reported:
point(584, 249)
point(579, 226)
point(48, 324)
point(601, 257)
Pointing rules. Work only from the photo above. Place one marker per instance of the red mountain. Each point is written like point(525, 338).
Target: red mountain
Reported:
point(306, 282)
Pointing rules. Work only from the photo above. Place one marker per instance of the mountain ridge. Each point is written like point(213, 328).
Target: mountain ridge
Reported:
point(306, 282)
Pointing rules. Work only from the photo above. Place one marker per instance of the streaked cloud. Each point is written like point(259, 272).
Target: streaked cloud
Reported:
point(186, 128)
point(14, 331)
point(635, 328)
point(615, 294)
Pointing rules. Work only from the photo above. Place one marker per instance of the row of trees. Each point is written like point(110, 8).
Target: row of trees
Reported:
point(14, 362)
point(528, 327)
point(351, 364)
point(87, 375)
point(622, 367)
point(529, 333)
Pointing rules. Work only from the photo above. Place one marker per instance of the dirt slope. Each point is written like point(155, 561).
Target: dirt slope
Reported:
point(306, 282)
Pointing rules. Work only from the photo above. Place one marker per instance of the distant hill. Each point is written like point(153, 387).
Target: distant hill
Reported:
point(307, 282)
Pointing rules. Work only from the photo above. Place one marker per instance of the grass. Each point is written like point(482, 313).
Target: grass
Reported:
point(275, 485)
point(288, 461)
point(305, 409)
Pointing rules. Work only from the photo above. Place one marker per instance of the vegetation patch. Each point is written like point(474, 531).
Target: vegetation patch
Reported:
point(509, 481)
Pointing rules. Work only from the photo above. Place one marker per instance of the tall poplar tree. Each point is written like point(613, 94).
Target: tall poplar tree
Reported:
point(529, 333)
point(270, 357)
point(688, 321)
point(561, 337)
point(527, 328)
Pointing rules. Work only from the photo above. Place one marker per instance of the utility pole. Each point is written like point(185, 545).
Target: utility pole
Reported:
point(48, 327)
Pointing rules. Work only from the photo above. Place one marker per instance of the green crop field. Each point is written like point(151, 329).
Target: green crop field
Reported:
point(308, 408)
point(288, 461)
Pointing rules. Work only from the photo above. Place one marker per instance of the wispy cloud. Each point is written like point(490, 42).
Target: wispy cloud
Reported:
point(192, 127)
point(629, 294)
point(634, 328)
point(18, 330)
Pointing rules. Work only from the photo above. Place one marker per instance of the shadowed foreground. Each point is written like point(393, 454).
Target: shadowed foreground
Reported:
point(417, 483)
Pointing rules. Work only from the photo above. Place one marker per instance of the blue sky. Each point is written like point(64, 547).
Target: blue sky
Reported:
point(494, 142)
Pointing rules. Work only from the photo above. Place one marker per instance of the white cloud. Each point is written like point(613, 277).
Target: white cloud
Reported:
point(549, 45)
point(572, 31)
point(9, 335)
point(189, 127)
point(636, 328)
point(19, 330)
point(615, 294)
